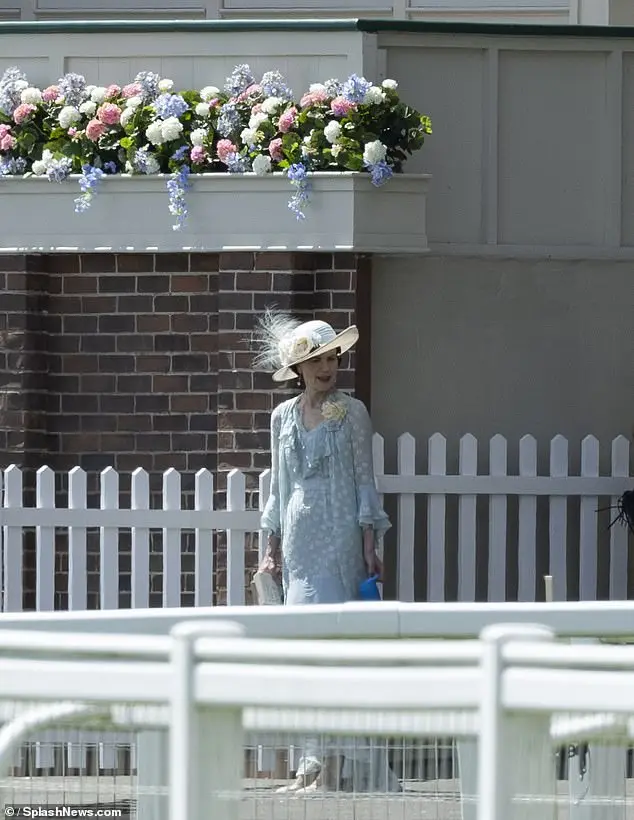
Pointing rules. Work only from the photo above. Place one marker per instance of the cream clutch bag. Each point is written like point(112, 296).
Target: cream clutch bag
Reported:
point(267, 590)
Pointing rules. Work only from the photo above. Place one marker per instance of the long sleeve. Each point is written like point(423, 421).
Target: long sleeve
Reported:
point(270, 519)
point(370, 511)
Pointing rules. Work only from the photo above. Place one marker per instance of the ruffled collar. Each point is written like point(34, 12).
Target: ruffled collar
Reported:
point(316, 444)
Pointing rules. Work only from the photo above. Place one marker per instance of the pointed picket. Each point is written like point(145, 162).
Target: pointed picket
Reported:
point(45, 543)
point(109, 543)
point(557, 526)
point(236, 493)
point(406, 526)
point(12, 537)
point(527, 524)
point(467, 466)
point(588, 544)
point(140, 581)
point(264, 490)
point(497, 522)
point(77, 560)
point(204, 547)
point(618, 534)
point(171, 541)
point(436, 507)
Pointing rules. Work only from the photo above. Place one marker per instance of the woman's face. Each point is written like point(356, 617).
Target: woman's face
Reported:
point(320, 373)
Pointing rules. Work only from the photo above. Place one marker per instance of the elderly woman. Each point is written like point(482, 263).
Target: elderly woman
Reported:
point(323, 513)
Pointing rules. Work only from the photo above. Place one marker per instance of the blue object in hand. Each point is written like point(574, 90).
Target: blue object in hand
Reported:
point(369, 590)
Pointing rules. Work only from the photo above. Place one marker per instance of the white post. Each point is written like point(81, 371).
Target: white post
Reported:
point(517, 765)
point(206, 741)
point(152, 778)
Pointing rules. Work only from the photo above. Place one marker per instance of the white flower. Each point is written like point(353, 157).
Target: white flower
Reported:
point(198, 136)
point(154, 132)
point(336, 150)
point(88, 108)
point(302, 345)
point(129, 168)
point(250, 136)
point(133, 102)
point(165, 85)
point(374, 152)
point(203, 109)
point(31, 96)
point(333, 410)
point(374, 95)
point(20, 85)
point(98, 94)
point(257, 120)
point(317, 88)
point(126, 116)
point(271, 104)
point(332, 131)
point(39, 167)
point(391, 84)
point(68, 115)
point(261, 165)
point(171, 129)
point(209, 92)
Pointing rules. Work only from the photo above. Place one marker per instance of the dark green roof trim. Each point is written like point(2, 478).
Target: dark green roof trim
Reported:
point(495, 29)
point(201, 26)
point(371, 26)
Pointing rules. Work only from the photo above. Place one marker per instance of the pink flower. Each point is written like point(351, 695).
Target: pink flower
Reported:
point(257, 108)
point(198, 155)
point(340, 106)
point(95, 130)
point(313, 98)
point(72, 131)
point(51, 93)
point(287, 120)
point(109, 113)
point(248, 92)
point(112, 91)
point(224, 148)
point(132, 90)
point(213, 103)
point(4, 130)
point(22, 112)
point(275, 149)
point(7, 142)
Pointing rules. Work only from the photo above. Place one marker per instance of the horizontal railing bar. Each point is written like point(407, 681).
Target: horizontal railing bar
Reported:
point(565, 690)
point(237, 520)
point(502, 485)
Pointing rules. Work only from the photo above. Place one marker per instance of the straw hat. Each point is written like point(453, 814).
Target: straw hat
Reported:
point(309, 340)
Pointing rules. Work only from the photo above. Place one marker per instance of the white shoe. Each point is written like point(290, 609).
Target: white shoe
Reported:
point(301, 783)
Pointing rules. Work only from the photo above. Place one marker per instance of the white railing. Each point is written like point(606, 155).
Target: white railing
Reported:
point(515, 690)
point(430, 493)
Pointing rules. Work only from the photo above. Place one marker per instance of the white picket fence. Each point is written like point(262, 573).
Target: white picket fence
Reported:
point(236, 520)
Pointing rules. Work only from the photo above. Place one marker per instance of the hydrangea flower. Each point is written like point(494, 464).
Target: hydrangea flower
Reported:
point(274, 85)
point(170, 105)
point(145, 162)
point(149, 83)
point(12, 83)
point(229, 119)
point(73, 88)
point(355, 88)
point(240, 79)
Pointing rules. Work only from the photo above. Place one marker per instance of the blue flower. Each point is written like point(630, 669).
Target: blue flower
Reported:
point(10, 166)
point(274, 85)
point(58, 169)
point(333, 88)
point(355, 88)
point(380, 172)
point(241, 78)
point(177, 185)
point(149, 83)
point(10, 91)
point(228, 120)
point(237, 164)
point(170, 105)
point(88, 182)
point(73, 87)
point(145, 162)
point(180, 153)
point(110, 167)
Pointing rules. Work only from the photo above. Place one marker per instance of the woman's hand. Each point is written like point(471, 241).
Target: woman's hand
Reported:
point(271, 562)
point(373, 563)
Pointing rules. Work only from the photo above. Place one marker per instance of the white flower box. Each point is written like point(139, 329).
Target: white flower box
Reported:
point(225, 212)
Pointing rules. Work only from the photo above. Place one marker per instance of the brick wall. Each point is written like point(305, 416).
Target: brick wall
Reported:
point(142, 360)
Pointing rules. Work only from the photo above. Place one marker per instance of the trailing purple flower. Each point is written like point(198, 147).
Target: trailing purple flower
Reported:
point(88, 182)
point(298, 176)
point(380, 172)
point(177, 185)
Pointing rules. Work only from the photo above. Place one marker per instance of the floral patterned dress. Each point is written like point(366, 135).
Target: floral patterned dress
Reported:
point(322, 496)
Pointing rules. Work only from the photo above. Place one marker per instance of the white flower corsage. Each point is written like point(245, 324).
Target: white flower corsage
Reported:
point(333, 410)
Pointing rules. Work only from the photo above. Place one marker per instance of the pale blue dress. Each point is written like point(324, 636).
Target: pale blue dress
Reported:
point(322, 496)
